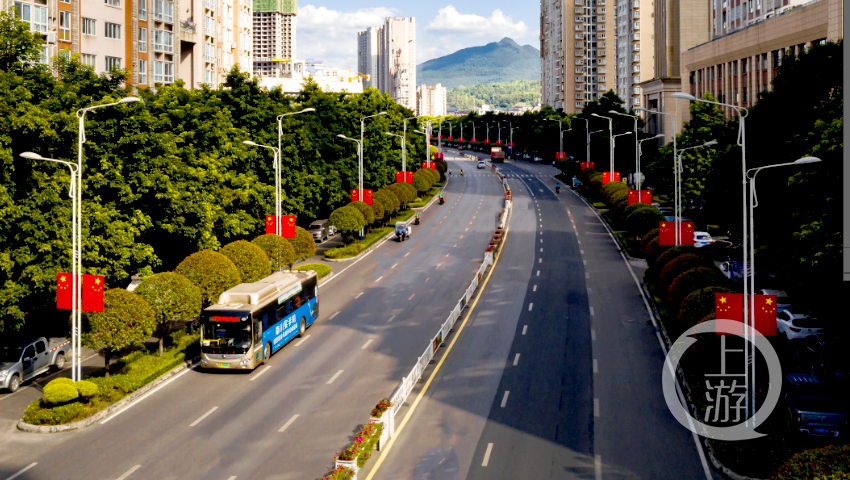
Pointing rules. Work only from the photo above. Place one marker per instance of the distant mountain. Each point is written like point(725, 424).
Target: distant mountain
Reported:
point(518, 93)
point(501, 61)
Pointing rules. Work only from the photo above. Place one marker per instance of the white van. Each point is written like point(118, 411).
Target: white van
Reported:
point(481, 164)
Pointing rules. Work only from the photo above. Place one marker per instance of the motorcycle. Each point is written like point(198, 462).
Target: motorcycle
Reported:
point(442, 200)
point(557, 189)
point(416, 220)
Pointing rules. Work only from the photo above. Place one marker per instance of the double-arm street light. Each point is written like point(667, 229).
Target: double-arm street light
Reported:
point(675, 157)
point(278, 210)
point(635, 118)
point(75, 191)
point(611, 142)
point(560, 133)
point(586, 129)
point(677, 205)
point(363, 129)
point(638, 174)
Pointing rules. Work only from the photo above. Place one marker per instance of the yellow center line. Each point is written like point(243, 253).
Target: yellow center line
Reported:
point(439, 364)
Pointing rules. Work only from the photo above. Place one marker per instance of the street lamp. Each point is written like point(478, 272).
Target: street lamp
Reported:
point(754, 203)
point(587, 129)
point(613, 139)
point(560, 133)
point(278, 210)
point(362, 129)
point(277, 182)
point(639, 175)
point(675, 169)
point(403, 148)
point(635, 118)
point(488, 131)
point(611, 135)
point(678, 180)
point(76, 244)
point(359, 169)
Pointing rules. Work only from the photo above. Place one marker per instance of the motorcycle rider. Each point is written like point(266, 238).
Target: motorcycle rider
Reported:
point(557, 188)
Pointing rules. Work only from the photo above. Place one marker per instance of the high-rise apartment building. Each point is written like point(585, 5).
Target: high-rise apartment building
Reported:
point(157, 41)
point(577, 50)
point(367, 56)
point(431, 100)
point(634, 59)
point(274, 37)
point(396, 63)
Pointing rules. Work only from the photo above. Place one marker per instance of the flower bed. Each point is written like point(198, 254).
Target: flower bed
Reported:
point(364, 443)
point(340, 473)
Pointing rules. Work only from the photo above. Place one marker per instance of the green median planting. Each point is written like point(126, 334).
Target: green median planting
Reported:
point(369, 437)
point(321, 269)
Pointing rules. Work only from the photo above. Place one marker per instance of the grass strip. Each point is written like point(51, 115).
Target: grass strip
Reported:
point(320, 268)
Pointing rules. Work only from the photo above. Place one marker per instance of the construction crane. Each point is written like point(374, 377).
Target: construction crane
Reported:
point(359, 75)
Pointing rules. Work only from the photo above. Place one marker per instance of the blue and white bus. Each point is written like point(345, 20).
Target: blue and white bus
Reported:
point(251, 321)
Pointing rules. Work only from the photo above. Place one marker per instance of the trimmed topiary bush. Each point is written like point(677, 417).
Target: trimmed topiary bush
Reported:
point(303, 244)
point(618, 197)
point(642, 220)
point(279, 251)
point(411, 190)
point(251, 260)
point(612, 187)
point(673, 252)
point(388, 200)
point(347, 220)
point(690, 281)
point(441, 168)
point(62, 380)
point(422, 182)
point(57, 393)
point(172, 297)
point(86, 389)
point(630, 209)
point(586, 174)
point(402, 193)
point(127, 320)
point(434, 174)
point(320, 268)
point(365, 210)
point(211, 272)
point(644, 241)
point(698, 304)
point(677, 266)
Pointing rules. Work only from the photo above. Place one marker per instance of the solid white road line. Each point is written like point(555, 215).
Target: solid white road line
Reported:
point(366, 344)
point(504, 400)
point(22, 471)
point(597, 463)
point(119, 412)
point(257, 375)
point(585, 262)
point(541, 240)
point(516, 359)
point(302, 340)
point(332, 316)
point(593, 334)
point(358, 295)
point(487, 455)
point(336, 375)
point(534, 289)
point(524, 329)
point(289, 422)
point(129, 472)
point(529, 306)
point(379, 279)
point(204, 416)
point(595, 366)
point(591, 311)
point(595, 407)
point(579, 242)
point(538, 273)
point(411, 296)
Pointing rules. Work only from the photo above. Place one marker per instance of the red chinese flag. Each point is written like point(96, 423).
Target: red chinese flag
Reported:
point(354, 195)
point(424, 164)
point(686, 233)
point(764, 317)
point(441, 137)
point(92, 293)
point(460, 139)
point(606, 177)
point(646, 196)
point(616, 176)
point(486, 140)
point(667, 233)
point(730, 306)
point(367, 197)
point(287, 226)
point(634, 197)
point(271, 225)
point(585, 165)
point(63, 290)
point(399, 177)
point(409, 177)
point(474, 139)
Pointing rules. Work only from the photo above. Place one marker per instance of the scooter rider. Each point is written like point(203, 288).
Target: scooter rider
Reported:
point(557, 188)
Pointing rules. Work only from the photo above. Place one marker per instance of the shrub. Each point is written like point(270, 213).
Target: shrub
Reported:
point(364, 443)
point(630, 209)
point(210, 271)
point(279, 251)
point(411, 190)
point(378, 209)
point(86, 388)
point(172, 297)
point(37, 414)
point(611, 188)
point(677, 266)
point(698, 304)
point(690, 281)
point(586, 174)
point(441, 168)
point(671, 253)
point(644, 242)
point(365, 210)
point(250, 259)
point(432, 174)
point(345, 252)
point(595, 182)
point(618, 197)
point(422, 182)
point(57, 393)
point(62, 380)
point(303, 244)
point(127, 320)
point(817, 462)
point(381, 407)
point(643, 220)
point(401, 192)
point(347, 219)
point(320, 268)
point(388, 200)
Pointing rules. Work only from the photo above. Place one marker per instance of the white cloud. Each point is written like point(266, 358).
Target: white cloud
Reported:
point(450, 21)
point(331, 35)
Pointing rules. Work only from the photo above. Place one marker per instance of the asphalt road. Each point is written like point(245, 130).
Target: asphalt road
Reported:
point(286, 420)
point(559, 375)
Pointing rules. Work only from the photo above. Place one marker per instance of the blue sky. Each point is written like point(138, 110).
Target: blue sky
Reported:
point(327, 29)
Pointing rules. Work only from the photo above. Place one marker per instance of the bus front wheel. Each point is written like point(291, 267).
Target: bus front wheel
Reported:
point(302, 328)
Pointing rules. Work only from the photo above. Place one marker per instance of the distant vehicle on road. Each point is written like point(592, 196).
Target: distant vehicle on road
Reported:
point(497, 155)
point(701, 239)
point(19, 364)
point(538, 159)
point(811, 410)
point(575, 183)
point(481, 164)
point(792, 326)
point(402, 230)
point(320, 230)
point(251, 321)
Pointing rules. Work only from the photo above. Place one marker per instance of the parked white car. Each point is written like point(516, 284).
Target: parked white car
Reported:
point(783, 301)
point(791, 326)
point(702, 239)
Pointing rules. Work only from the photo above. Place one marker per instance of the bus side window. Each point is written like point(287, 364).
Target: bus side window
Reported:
point(281, 311)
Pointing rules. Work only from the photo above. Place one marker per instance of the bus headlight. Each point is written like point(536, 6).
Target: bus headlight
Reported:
point(205, 343)
point(245, 361)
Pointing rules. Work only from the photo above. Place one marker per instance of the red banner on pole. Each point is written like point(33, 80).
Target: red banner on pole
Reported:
point(764, 318)
point(92, 293)
point(586, 165)
point(450, 138)
point(429, 165)
point(367, 197)
point(666, 233)
point(474, 139)
point(460, 139)
point(287, 226)
point(486, 140)
point(640, 196)
point(409, 177)
point(730, 306)
point(399, 176)
point(606, 177)
point(271, 225)
point(63, 290)
point(687, 233)
point(355, 197)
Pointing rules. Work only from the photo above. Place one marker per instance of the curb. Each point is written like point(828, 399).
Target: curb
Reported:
point(30, 428)
point(620, 246)
point(325, 278)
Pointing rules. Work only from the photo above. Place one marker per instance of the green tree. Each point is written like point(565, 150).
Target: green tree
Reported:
point(250, 259)
point(172, 297)
point(279, 251)
point(365, 210)
point(19, 47)
point(303, 244)
point(422, 182)
point(211, 272)
point(127, 320)
point(347, 220)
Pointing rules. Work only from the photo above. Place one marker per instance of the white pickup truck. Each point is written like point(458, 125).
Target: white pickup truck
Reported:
point(19, 364)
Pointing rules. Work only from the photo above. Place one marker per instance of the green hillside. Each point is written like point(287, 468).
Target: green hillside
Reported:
point(518, 93)
point(501, 61)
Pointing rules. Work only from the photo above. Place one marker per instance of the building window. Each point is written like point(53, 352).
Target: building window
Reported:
point(88, 26)
point(143, 72)
point(112, 62)
point(164, 11)
point(65, 26)
point(88, 59)
point(157, 72)
point(112, 30)
point(143, 39)
point(112, 3)
point(168, 72)
point(35, 16)
point(43, 57)
point(143, 10)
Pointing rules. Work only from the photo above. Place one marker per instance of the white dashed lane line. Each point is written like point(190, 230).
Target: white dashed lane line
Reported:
point(205, 415)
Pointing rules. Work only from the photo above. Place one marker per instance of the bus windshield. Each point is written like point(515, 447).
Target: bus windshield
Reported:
point(225, 333)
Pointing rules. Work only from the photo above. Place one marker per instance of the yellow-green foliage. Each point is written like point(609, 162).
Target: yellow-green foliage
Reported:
point(86, 388)
point(61, 392)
